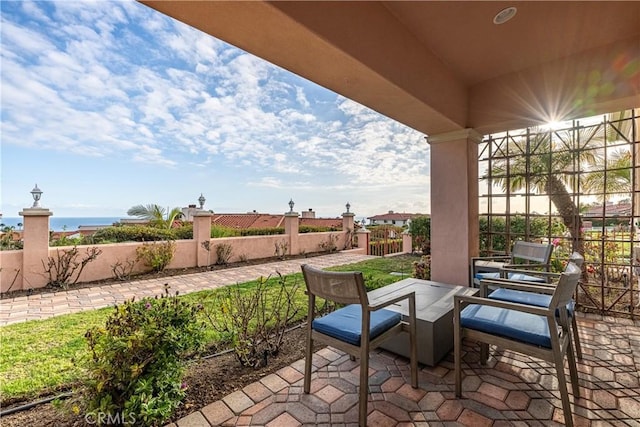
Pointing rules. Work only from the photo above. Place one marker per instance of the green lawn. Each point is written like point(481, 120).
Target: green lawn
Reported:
point(38, 357)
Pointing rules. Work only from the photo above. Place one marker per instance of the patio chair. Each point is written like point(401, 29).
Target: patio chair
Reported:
point(539, 295)
point(524, 256)
point(357, 328)
point(542, 332)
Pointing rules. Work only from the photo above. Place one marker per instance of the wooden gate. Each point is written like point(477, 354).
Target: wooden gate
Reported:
point(385, 240)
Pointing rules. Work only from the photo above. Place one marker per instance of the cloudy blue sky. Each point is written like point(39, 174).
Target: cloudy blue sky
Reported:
point(107, 104)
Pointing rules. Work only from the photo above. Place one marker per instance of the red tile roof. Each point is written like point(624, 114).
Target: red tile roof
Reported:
point(257, 220)
point(322, 222)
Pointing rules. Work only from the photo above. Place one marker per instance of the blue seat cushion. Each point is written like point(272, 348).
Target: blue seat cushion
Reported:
point(528, 298)
point(524, 327)
point(511, 276)
point(345, 324)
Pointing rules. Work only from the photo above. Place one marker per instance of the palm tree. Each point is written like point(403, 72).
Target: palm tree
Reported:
point(546, 162)
point(156, 215)
point(618, 177)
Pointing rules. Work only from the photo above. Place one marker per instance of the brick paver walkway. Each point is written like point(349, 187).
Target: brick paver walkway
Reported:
point(512, 390)
point(42, 306)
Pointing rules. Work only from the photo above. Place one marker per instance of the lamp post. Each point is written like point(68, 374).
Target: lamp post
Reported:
point(36, 193)
point(348, 206)
point(201, 200)
point(291, 204)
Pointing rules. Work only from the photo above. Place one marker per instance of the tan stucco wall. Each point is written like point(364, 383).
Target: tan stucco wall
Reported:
point(10, 263)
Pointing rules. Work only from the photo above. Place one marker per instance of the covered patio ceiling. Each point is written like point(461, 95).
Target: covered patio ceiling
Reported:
point(439, 67)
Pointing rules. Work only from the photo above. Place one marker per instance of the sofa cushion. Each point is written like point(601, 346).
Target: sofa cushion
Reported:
point(345, 324)
point(524, 327)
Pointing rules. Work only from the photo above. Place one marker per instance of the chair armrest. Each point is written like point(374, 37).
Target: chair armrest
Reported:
point(513, 284)
point(546, 274)
point(383, 302)
point(525, 266)
point(490, 258)
point(459, 300)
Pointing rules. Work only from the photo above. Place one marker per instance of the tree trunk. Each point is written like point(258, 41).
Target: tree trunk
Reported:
point(568, 211)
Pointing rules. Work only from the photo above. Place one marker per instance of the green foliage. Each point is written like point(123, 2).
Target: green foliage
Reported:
point(156, 215)
point(136, 361)
point(420, 229)
point(267, 231)
point(223, 231)
point(156, 255)
point(223, 253)
point(7, 241)
point(218, 231)
point(422, 268)
point(141, 233)
point(495, 240)
point(256, 319)
point(316, 229)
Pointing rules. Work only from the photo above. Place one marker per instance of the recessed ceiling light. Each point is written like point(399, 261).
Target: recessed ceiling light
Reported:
point(504, 15)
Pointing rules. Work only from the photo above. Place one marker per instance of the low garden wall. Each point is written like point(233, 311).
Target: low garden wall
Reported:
point(27, 268)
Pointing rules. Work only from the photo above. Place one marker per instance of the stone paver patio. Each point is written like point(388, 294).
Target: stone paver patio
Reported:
point(512, 390)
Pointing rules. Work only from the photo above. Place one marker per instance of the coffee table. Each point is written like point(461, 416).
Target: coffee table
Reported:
point(434, 312)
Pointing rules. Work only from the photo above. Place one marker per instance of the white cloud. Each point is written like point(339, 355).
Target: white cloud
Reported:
point(118, 80)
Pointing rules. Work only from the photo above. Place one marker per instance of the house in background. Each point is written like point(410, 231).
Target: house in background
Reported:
point(393, 218)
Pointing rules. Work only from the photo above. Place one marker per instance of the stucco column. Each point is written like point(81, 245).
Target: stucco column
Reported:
point(407, 242)
point(347, 228)
point(202, 234)
point(454, 205)
point(363, 239)
point(291, 222)
point(35, 236)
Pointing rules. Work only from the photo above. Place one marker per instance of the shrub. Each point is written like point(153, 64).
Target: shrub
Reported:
point(136, 361)
point(218, 231)
point(329, 245)
point(65, 268)
point(422, 268)
point(282, 247)
point(316, 229)
point(267, 231)
point(420, 229)
point(255, 320)
point(223, 253)
point(141, 233)
point(156, 255)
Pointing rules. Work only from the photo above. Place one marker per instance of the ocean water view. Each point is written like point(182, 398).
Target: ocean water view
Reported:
point(63, 223)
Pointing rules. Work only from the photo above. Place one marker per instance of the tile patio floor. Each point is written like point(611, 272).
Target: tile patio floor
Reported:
point(512, 390)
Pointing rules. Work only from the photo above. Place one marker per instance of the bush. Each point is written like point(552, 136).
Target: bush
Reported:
point(420, 229)
point(141, 233)
point(268, 231)
point(255, 320)
point(156, 255)
point(316, 229)
point(218, 231)
point(136, 361)
point(422, 268)
point(223, 253)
